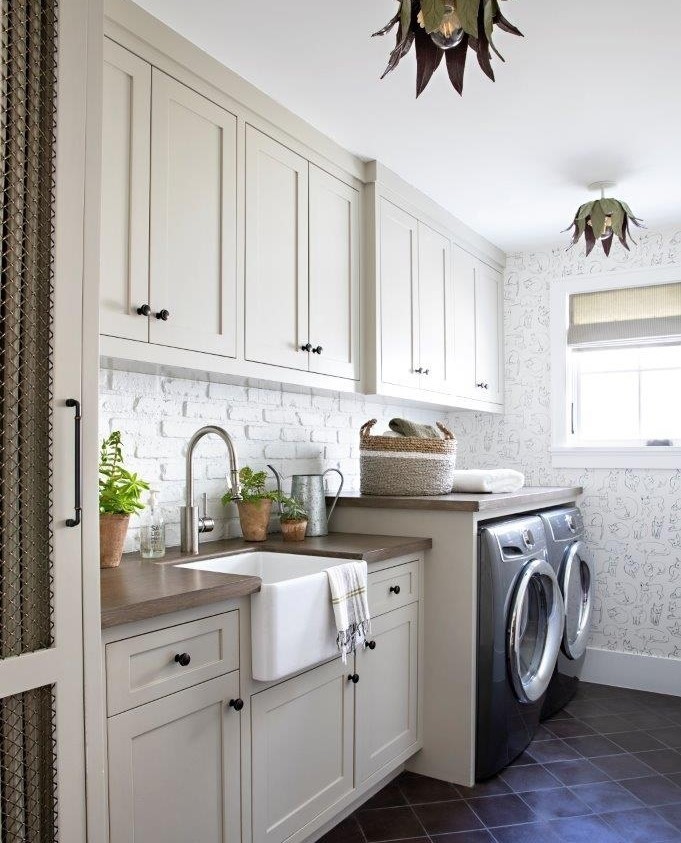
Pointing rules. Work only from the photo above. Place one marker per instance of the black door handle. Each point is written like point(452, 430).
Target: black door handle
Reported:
point(394, 589)
point(78, 506)
point(183, 659)
point(353, 677)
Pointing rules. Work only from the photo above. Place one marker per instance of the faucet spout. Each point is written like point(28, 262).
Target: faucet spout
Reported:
point(191, 525)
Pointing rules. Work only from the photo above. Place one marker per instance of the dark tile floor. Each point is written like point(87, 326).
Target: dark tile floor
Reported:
point(605, 770)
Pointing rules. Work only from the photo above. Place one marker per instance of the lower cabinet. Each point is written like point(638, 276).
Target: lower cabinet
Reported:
point(174, 768)
point(301, 749)
point(387, 692)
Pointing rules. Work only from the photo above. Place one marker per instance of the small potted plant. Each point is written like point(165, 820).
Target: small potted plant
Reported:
point(120, 491)
point(293, 520)
point(254, 504)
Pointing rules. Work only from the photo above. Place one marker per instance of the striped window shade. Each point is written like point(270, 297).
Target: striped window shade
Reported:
point(625, 314)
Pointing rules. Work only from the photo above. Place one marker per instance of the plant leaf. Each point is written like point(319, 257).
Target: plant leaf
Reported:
point(504, 24)
point(617, 220)
point(609, 205)
point(584, 211)
point(483, 45)
point(607, 244)
point(467, 10)
point(433, 12)
point(398, 53)
point(590, 239)
point(456, 63)
point(428, 57)
point(387, 27)
point(405, 18)
point(597, 219)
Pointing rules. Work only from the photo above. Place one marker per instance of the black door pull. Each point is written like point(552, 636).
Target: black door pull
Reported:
point(78, 506)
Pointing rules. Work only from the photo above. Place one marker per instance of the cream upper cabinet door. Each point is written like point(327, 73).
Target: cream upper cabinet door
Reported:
point(302, 749)
point(435, 332)
point(387, 692)
point(124, 246)
point(276, 253)
point(488, 333)
point(398, 270)
point(174, 768)
point(193, 221)
point(334, 276)
point(463, 270)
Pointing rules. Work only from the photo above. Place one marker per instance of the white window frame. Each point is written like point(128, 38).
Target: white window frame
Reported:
point(564, 453)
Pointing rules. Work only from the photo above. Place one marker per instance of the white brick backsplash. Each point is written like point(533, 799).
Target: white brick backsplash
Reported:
point(299, 432)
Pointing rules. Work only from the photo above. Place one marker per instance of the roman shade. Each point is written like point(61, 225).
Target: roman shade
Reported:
point(628, 313)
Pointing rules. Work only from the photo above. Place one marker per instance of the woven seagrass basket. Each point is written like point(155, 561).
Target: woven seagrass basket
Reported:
point(406, 465)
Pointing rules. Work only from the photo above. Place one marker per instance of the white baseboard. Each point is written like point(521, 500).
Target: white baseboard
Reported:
point(633, 670)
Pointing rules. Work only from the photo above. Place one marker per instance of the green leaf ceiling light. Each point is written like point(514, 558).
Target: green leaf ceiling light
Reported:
point(440, 28)
point(603, 219)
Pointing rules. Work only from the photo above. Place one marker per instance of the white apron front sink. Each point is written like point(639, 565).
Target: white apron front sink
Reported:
point(292, 624)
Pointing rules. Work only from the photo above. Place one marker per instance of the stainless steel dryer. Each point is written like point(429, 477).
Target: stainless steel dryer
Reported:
point(520, 628)
point(568, 555)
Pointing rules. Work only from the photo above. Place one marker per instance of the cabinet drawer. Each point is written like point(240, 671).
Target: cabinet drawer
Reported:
point(404, 579)
point(144, 668)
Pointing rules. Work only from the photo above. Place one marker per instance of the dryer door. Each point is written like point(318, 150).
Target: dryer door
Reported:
point(577, 584)
point(535, 630)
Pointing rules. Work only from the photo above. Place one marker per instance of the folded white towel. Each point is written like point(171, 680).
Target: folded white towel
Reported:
point(348, 585)
point(495, 480)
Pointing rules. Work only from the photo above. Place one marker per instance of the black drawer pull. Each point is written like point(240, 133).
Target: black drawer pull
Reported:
point(236, 704)
point(395, 589)
point(144, 310)
point(183, 659)
point(353, 677)
point(370, 644)
point(78, 504)
point(164, 315)
point(306, 347)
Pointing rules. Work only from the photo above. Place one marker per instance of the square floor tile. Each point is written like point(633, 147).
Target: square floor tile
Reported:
point(530, 777)
point(507, 809)
point(594, 746)
point(443, 817)
point(624, 766)
point(569, 728)
point(389, 797)
point(559, 802)
point(547, 751)
point(347, 831)
point(585, 830)
point(543, 734)
point(654, 790)
point(645, 719)
point(522, 759)
point(606, 796)
point(579, 771)
point(671, 736)
point(635, 741)
point(606, 723)
point(380, 824)
point(490, 787)
point(539, 832)
point(672, 814)
point(662, 760)
point(417, 789)
point(642, 826)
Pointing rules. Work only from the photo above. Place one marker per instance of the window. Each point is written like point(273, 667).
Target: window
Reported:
point(616, 357)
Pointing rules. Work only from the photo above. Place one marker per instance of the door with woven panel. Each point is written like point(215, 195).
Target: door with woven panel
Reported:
point(42, 134)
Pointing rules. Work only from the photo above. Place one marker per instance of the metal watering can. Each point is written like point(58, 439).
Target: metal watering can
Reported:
point(308, 490)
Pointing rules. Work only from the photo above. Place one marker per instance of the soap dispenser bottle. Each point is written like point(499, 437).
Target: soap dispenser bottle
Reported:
point(153, 530)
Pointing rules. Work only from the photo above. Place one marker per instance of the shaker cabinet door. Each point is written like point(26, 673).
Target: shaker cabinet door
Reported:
point(193, 221)
point(334, 276)
point(399, 304)
point(276, 253)
point(435, 331)
point(124, 242)
point(174, 768)
point(463, 271)
point(488, 333)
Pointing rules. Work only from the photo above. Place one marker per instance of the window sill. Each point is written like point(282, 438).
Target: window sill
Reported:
point(573, 456)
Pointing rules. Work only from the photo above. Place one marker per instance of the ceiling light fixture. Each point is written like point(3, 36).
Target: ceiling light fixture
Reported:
point(440, 28)
point(603, 219)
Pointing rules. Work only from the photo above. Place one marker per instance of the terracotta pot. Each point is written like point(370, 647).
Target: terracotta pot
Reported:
point(294, 531)
point(255, 518)
point(112, 530)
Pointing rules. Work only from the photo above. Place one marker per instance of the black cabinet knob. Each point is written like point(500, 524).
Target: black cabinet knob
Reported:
point(317, 350)
point(426, 371)
point(183, 659)
point(394, 589)
point(144, 310)
point(371, 645)
point(306, 347)
point(418, 371)
point(480, 385)
point(236, 704)
point(164, 315)
point(353, 677)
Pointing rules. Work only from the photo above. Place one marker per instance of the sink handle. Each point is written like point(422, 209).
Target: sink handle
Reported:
point(340, 489)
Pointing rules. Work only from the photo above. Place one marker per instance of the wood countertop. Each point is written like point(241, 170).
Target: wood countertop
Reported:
point(529, 498)
point(145, 588)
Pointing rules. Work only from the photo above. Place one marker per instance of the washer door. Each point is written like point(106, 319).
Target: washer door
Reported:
point(535, 630)
point(576, 582)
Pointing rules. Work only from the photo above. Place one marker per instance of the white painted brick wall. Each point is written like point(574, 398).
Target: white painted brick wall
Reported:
point(297, 432)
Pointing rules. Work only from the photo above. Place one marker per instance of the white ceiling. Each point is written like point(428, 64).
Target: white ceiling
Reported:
point(592, 92)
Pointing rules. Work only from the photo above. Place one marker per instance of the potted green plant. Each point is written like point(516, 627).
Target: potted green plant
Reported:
point(293, 519)
point(254, 504)
point(120, 491)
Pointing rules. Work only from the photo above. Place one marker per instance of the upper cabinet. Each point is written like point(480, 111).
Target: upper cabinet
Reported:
point(302, 263)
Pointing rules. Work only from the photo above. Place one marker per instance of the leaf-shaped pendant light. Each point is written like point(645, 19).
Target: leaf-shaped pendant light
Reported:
point(603, 219)
point(447, 28)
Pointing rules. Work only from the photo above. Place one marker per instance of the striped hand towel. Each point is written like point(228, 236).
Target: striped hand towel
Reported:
point(348, 585)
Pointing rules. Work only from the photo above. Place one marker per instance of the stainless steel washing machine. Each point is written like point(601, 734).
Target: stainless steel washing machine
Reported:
point(520, 628)
point(569, 557)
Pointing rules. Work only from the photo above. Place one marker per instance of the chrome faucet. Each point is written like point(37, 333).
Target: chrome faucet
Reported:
point(191, 524)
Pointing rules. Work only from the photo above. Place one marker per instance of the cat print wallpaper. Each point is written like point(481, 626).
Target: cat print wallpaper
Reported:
point(633, 516)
